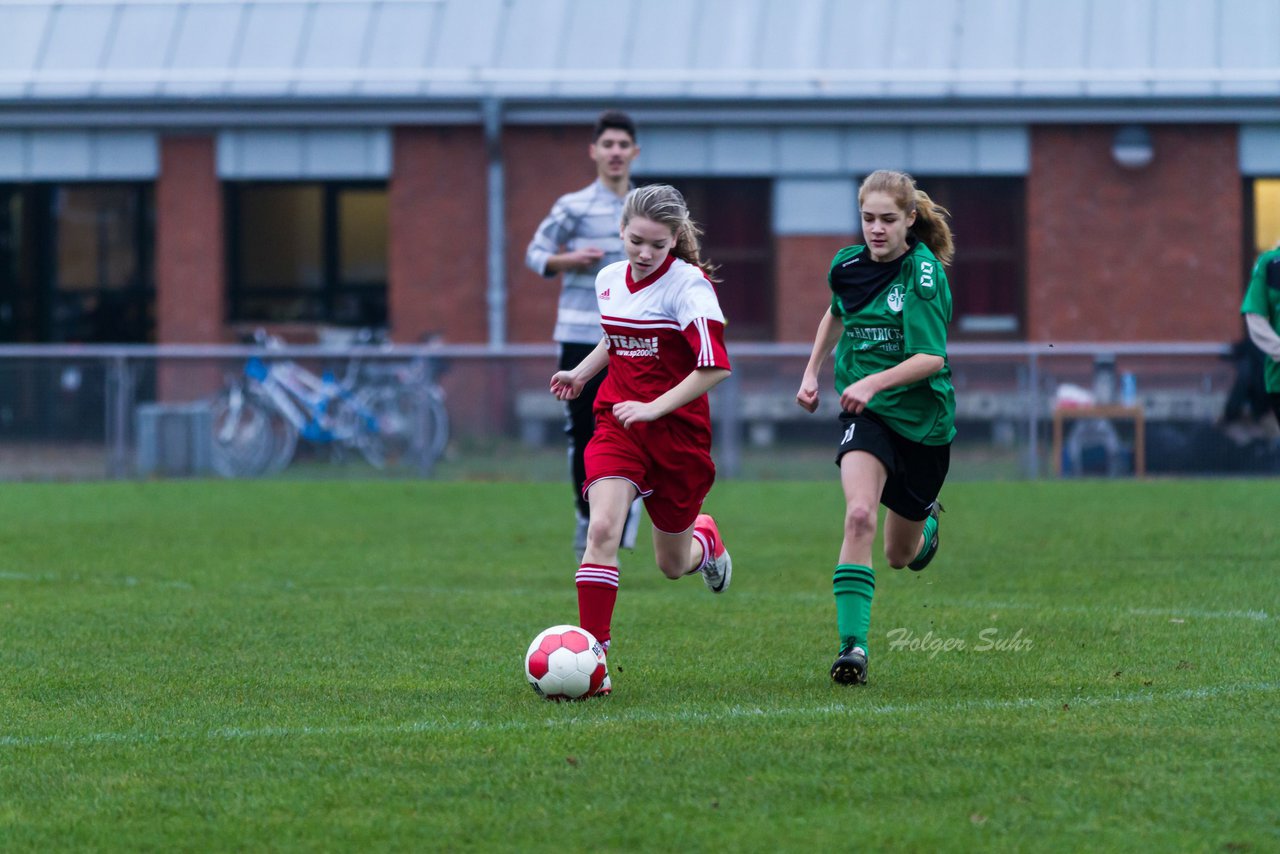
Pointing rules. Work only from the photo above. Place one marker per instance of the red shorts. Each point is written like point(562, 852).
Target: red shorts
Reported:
point(667, 460)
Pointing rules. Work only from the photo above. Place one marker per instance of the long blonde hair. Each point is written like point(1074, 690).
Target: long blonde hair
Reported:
point(663, 204)
point(931, 226)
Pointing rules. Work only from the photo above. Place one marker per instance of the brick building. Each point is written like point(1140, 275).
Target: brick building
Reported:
point(181, 170)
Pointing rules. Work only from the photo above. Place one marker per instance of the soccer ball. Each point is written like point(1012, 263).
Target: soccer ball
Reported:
point(565, 663)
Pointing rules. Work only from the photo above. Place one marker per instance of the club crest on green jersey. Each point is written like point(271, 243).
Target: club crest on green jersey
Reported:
point(894, 300)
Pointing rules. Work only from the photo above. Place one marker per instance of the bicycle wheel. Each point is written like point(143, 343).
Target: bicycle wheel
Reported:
point(382, 425)
point(400, 426)
point(434, 438)
point(249, 436)
point(283, 443)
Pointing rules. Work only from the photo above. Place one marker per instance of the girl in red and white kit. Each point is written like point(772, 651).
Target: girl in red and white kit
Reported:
point(664, 347)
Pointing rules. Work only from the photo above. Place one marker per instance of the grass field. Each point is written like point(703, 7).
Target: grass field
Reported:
point(337, 666)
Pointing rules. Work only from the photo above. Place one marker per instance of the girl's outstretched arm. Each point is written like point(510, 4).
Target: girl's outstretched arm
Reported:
point(566, 385)
point(827, 336)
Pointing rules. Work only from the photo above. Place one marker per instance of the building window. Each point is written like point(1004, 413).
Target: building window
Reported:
point(1266, 216)
point(735, 215)
point(20, 284)
point(75, 263)
point(75, 267)
point(102, 284)
point(312, 253)
point(988, 275)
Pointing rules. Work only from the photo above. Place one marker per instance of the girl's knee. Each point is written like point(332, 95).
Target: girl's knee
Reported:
point(673, 570)
point(897, 556)
point(603, 533)
point(860, 522)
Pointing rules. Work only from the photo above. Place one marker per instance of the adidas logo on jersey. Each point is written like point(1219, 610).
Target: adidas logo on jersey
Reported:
point(605, 293)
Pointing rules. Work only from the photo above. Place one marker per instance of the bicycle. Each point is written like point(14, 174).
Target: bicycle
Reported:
point(410, 401)
point(392, 415)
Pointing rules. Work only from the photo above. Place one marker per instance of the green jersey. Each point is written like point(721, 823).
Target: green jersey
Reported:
point(1263, 297)
point(892, 311)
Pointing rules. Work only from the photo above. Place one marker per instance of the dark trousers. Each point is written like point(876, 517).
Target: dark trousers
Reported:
point(1249, 391)
point(580, 421)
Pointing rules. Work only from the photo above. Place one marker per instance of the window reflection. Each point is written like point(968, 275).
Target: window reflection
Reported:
point(362, 223)
point(96, 237)
point(1266, 215)
point(313, 253)
point(102, 290)
point(280, 233)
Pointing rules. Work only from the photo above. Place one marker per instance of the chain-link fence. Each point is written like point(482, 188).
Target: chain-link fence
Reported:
point(464, 411)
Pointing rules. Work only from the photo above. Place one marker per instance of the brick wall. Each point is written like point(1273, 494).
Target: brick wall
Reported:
point(190, 263)
point(437, 253)
point(1152, 254)
point(543, 163)
point(800, 274)
point(1105, 244)
point(189, 254)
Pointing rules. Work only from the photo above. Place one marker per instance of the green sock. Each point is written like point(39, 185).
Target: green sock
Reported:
point(930, 527)
point(854, 586)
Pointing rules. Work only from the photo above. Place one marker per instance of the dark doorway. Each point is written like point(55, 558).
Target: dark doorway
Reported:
point(75, 268)
point(22, 304)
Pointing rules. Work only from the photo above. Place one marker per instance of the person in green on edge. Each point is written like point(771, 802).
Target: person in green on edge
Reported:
point(1261, 310)
point(890, 306)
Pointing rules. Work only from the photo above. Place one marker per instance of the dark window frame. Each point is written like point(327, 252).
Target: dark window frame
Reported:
point(141, 290)
point(372, 295)
point(35, 306)
point(66, 399)
point(25, 280)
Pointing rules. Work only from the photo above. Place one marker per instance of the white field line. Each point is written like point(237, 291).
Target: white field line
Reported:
point(1193, 613)
point(114, 581)
point(598, 715)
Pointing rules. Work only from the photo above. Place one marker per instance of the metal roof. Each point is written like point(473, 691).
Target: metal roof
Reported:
point(776, 51)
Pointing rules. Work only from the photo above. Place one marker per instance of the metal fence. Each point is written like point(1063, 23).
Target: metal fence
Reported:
point(472, 411)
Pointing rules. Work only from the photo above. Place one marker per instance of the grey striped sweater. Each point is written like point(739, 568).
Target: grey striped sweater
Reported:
point(591, 216)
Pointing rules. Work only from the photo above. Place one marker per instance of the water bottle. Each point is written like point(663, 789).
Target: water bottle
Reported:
point(1128, 389)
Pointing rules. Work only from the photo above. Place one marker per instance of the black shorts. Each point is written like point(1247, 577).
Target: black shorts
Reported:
point(916, 471)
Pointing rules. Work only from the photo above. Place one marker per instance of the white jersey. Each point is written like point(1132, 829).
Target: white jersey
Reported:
point(660, 330)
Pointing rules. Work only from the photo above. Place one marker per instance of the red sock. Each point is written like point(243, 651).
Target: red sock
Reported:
point(597, 592)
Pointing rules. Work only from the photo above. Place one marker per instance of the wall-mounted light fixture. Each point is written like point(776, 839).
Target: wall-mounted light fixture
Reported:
point(1132, 147)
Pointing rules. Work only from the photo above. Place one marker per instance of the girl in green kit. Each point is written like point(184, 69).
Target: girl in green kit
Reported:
point(1261, 310)
point(890, 306)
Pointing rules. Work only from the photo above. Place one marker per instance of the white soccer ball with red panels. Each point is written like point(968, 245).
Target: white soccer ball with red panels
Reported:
point(565, 663)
